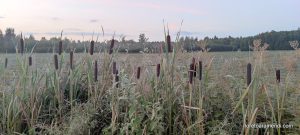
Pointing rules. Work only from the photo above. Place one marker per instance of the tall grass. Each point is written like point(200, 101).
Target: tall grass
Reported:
point(90, 94)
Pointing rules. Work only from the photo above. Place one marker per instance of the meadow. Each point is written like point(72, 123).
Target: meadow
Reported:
point(172, 92)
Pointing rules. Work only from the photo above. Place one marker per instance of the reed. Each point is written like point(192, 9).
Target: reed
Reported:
point(92, 47)
point(56, 61)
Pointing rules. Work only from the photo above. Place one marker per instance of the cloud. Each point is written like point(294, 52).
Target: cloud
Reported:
point(93, 21)
point(55, 19)
point(189, 33)
point(1, 17)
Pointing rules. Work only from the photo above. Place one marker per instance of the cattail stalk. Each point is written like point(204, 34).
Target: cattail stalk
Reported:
point(92, 47)
point(138, 74)
point(278, 76)
point(30, 61)
point(95, 71)
point(157, 70)
point(6, 61)
point(117, 78)
point(111, 46)
point(56, 62)
point(60, 47)
point(21, 45)
point(248, 74)
point(191, 73)
point(114, 67)
point(200, 70)
point(169, 43)
point(71, 59)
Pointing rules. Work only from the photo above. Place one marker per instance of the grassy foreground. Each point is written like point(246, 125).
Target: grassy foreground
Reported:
point(179, 93)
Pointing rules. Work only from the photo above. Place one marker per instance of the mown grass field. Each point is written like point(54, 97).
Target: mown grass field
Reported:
point(90, 99)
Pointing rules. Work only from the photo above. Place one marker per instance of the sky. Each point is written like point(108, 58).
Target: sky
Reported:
point(79, 19)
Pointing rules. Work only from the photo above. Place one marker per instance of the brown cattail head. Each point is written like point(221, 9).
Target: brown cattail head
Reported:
point(169, 43)
point(114, 68)
point(111, 46)
point(95, 71)
point(195, 70)
point(138, 73)
point(157, 70)
point(92, 47)
point(117, 78)
point(30, 61)
point(56, 62)
point(200, 70)
point(60, 47)
point(278, 76)
point(6, 61)
point(191, 73)
point(71, 59)
point(21, 44)
point(248, 74)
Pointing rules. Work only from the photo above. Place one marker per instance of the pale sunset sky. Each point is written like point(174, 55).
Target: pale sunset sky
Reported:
point(46, 18)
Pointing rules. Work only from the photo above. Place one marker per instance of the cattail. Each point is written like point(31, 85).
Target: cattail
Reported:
point(30, 61)
point(6, 61)
point(200, 70)
point(21, 45)
point(117, 78)
point(248, 74)
point(71, 60)
point(92, 47)
point(96, 71)
point(138, 74)
point(114, 67)
point(60, 47)
point(111, 46)
point(194, 64)
point(157, 70)
point(278, 76)
point(191, 73)
point(169, 43)
point(56, 61)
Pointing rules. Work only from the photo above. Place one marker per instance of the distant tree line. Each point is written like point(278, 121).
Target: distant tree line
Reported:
point(277, 41)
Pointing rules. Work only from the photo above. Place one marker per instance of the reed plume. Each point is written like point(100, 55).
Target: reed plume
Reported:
point(111, 46)
point(21, 45)
point(56, 62)
point(6, 61)
point(169, 43)
point(60, 47)
point(92, 47)
point(114, 68)
point(248, 74)
point(30, 61)
point(278, 76)
point(200, 70)
point(138, 74)
point(95, 71)
point(71, 59)
point(157, 70)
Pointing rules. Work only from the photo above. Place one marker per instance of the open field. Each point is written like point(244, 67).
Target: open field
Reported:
point(92, 99)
